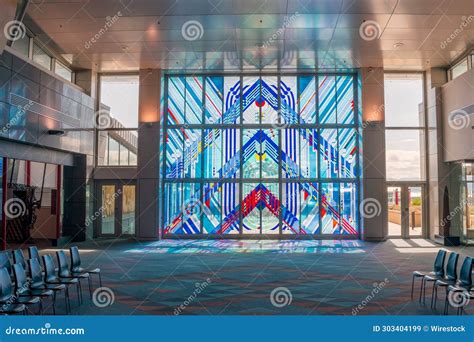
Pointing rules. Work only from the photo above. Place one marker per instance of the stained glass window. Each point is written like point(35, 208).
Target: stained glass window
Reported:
point(261, 155)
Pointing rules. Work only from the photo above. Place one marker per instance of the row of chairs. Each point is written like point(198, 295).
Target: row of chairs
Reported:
point(26, 282)
point(446, 276)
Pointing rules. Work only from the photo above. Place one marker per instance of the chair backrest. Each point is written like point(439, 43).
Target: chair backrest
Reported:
point(5, 261)
point(48, 265)
point(62, 264)
point(35, 271)
point(21, 281)
point(34, 253)
point(75, 258)
point(439, 263)
point(451, 267)
point(465, 279)
point(6, 289)
point(19, 258)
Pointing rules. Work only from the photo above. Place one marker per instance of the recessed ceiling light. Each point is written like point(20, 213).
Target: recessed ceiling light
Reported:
point(398, 45)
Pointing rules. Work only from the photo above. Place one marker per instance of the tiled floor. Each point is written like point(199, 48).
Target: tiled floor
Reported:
point(224, 277)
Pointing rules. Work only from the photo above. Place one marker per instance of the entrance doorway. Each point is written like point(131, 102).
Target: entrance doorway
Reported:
point(406, 217)
point(116, 206)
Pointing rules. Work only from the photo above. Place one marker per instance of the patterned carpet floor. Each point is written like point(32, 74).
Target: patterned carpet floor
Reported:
point(210, 277)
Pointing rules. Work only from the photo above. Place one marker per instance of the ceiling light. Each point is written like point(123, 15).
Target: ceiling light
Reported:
point(398, 45)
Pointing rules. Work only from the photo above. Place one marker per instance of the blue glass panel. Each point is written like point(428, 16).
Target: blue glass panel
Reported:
point(194, 93)
point(327, 99)
point(309, 153)
point(307, 99)
point(192, 153)
point(347, 153)
point(349, 209)
point(176, 93)
point(345, 99)
point(328, 153)
point(309, 202)
point(174, 153)
point(290, 153)
point(330, 208)
point(214, 99)
point(252, 100)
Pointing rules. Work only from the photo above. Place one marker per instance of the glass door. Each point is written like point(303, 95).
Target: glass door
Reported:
point(116, 208)
point(415, 211)
point(405, 210)
point(394, 198)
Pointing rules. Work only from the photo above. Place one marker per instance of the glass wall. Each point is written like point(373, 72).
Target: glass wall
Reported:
point(261, 155)
point(405, 127)
point(467, 201)
point(117, 120)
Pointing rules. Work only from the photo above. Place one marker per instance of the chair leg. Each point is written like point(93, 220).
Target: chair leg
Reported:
point(412, 285)
point(446, 303)
point(423, 283)
point(66, 296)
point(78, 289)
point(100, 280)
point(421, 289)
point(90, 286)
point(54, 303)
point(435, 296)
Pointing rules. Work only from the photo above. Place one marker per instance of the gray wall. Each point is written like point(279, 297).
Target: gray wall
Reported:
point(458, 117)
point(55, 104)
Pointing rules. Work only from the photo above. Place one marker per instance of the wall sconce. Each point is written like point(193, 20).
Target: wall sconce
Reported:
point(56, 132)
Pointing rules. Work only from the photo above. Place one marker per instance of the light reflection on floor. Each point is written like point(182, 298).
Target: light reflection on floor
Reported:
point(251, 246)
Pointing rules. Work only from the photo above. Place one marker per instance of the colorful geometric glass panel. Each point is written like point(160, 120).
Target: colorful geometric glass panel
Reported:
point(260, 155)
point(309, 208)
point(330, 208)
point(327, 99)
point(307, 99)
point(328, 153)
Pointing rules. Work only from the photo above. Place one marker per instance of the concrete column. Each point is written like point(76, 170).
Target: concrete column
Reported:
point(75, 187)
point(148, 170)
point(87, 80)
point(438, 171)
point(374, 193)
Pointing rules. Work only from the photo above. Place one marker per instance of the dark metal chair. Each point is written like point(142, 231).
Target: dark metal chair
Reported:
point(8, 298)
point(22, 287)
point(19, 258)
point(76, 264)
point(462, 286)
point(38, 283)
point(65, 273)
point(449, 278)
point(33, 253)
point(438, 271)
point(5, 261)
point(51, 278)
